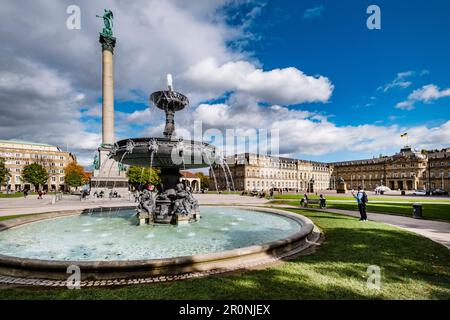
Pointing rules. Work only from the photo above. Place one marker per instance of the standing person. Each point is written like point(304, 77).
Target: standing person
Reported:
point(25, 193)
point(322, 201)
point(361, 199)
point(39, 194)
point(271, 193)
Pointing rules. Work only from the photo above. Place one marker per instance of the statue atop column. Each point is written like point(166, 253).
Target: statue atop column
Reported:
point(106, 36)
point(107, 17)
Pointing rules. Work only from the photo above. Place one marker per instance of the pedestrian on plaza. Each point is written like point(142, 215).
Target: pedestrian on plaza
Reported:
point(361, 199)
point(25, 193)
point(40, 194)
point(271, 193)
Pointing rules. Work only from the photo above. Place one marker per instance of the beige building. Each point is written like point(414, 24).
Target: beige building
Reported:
point(408, 169)
point(18, 154)
point(438, 174)
point(252, 171)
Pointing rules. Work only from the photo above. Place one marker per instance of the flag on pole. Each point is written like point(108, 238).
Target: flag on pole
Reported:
point(404, 135)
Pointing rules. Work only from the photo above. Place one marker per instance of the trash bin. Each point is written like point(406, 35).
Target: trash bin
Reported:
point(417, 211)
point(403, 192)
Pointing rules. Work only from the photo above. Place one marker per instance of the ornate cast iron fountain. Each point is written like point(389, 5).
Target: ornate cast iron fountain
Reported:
point(173, 201)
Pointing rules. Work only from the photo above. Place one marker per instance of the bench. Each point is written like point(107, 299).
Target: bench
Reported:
point(313, 201)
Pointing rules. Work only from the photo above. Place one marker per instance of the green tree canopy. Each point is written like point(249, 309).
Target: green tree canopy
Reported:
point(142, 176)
point(204, 180)
point(35, 174)
point(4, 172)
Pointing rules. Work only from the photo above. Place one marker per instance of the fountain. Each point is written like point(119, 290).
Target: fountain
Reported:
point(174, 202)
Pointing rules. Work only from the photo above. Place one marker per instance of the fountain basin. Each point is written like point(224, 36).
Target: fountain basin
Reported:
point(203, 246)
point(187, 154)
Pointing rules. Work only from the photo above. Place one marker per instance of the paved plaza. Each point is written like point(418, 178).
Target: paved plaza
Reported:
point(434, 230)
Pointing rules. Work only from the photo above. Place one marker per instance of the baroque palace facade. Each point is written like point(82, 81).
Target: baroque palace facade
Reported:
point(18, 154)
point(260, 172)
point(406, 170)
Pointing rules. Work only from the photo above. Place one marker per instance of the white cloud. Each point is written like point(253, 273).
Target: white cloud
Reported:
point(279, 86)
point(399, 81)
point(426, 94)
point(310, 134)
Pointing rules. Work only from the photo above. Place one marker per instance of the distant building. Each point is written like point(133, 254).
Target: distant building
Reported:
point(438, 174)
point(260, 172)
point(191, 180)
point(406, 170)
point(18, 154)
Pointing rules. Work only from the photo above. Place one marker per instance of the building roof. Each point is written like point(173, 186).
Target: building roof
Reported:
point(26, 142)
point(188, 174)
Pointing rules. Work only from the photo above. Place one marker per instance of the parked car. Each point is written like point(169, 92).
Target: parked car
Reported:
point(420, 193)
point(438, 192)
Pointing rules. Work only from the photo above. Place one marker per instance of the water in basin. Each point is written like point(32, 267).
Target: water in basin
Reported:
point(114, 236)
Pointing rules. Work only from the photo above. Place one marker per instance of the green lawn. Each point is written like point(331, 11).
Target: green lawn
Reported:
point(412, 267)
point(15, 195)
point(345, 197)
point(430, 211)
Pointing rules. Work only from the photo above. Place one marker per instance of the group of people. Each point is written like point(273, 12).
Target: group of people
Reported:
point(360, 197)
point(305, 200)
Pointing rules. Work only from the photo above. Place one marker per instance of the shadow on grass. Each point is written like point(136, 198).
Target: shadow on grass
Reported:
point(412, 267)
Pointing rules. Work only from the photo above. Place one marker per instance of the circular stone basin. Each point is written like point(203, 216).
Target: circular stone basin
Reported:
point(111, 245)
point(115, 236)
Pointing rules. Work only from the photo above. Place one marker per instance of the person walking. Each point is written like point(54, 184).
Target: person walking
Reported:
point(25, 193)
point(40, 194)
point(271, 194)
point(361, 199)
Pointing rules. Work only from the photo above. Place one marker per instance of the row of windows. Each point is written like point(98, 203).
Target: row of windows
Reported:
point(53, 179)
point(18, 163)
point(32, 156)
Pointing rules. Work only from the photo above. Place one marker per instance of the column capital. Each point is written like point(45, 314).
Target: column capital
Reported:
point(107, 42)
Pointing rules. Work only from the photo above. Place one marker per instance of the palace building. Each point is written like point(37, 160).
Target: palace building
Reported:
point(406, 170)
point(260, 172)
point(437, 175)
point(18, 154)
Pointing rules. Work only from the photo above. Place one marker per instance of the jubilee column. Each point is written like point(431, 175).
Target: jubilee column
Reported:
point(108, 43)
point(108, 174)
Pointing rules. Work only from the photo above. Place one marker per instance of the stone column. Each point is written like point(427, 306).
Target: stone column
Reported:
point(108, 44)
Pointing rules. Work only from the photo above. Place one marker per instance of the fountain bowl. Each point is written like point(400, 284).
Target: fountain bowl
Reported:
point(164, 153)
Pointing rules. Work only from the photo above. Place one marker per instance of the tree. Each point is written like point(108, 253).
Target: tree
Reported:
point(35, 174)
point(4, 172)
point(75, 176)
point(142, 176)
point(204, 180)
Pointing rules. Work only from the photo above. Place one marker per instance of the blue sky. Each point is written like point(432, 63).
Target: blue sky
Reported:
point(311, 69)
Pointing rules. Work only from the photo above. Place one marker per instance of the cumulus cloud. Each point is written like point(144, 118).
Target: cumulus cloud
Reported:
point(304, 134)
point(280, 86)
point(50, 79)
point(426, 94)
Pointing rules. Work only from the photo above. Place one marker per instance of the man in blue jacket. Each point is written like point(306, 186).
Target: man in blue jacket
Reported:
point(361, 199)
